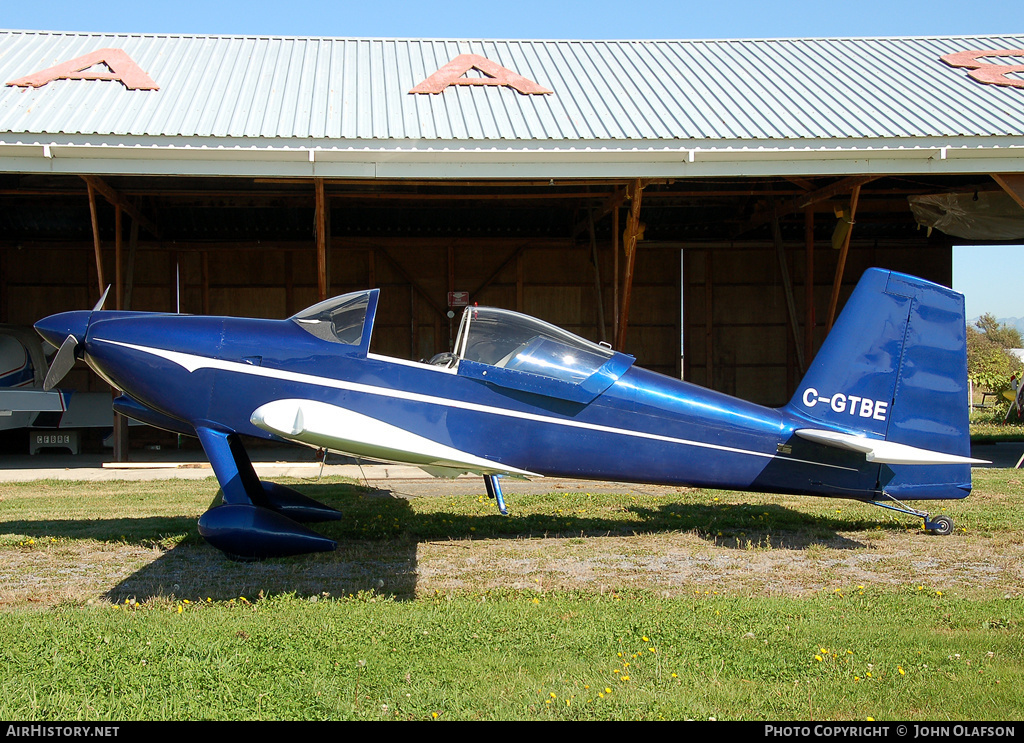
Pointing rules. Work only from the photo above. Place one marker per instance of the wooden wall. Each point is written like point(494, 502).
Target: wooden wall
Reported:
point(738, 337)
point(551, 279)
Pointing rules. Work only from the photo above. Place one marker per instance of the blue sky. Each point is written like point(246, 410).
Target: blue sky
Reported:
point(991, 279)
point(536, 19)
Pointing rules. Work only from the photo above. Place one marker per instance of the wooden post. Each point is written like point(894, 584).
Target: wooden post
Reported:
point(841, 265)
point(118, 258)
point(321, 239)
point(629, 246)
point(120, 422)
point(787, 287)
point(601, 331)
point(206, 282)
point(289, 283)
point(615, 272)
point(96, 236)
point(709, 325)
point(809, 285)
point(129, 279)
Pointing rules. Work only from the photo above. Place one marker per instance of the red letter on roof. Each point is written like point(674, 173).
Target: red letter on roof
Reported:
point(985, 72)
point(121, 68)
point(452, 74)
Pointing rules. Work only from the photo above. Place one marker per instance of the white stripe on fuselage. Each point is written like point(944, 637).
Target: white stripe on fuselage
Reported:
point(192, 362)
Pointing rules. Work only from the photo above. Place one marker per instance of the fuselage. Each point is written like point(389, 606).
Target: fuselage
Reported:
point(645, 427)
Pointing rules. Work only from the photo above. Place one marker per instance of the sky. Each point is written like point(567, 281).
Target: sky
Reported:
point(990, 280)
point(530, 19)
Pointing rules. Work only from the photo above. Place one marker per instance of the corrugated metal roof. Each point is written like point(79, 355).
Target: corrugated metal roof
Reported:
point(356, 90)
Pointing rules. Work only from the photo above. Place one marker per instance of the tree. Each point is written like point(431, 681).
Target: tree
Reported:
point(1003, 335)
point(989, 364)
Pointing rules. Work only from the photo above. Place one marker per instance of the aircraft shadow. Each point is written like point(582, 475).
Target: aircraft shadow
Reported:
point(378, 539)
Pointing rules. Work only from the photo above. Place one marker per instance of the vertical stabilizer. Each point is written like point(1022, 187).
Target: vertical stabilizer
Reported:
point(895, 367)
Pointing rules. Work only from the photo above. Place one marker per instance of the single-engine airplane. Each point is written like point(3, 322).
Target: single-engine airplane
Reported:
point(881, 415)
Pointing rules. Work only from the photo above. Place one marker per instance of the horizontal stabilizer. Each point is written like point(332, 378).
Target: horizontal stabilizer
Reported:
point(881, 451)
point(346, 431)
point(32, 401)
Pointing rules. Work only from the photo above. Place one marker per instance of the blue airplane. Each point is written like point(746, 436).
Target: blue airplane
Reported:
point(881, 416)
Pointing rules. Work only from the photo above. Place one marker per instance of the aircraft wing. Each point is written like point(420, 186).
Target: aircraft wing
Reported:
point(342, 430)
point(882, 451)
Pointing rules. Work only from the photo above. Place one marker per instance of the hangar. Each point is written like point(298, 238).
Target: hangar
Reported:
point(703, 205)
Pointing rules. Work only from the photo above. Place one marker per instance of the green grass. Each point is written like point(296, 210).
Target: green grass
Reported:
point(153, 624)
point(984, 431)
point(905, 655)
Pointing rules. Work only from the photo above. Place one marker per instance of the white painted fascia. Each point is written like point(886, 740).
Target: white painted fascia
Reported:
point(506, 159)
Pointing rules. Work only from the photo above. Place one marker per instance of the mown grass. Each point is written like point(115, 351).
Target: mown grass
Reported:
point(856, 655)
point(288, 639)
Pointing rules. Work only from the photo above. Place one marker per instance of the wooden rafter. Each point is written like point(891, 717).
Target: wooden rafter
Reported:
point(116, 199)
point(842, 186)
point(1013, 184)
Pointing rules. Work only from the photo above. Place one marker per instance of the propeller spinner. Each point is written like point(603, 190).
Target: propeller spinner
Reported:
point(65, 331)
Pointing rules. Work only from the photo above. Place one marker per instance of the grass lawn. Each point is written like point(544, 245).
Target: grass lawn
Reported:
point(641, 604)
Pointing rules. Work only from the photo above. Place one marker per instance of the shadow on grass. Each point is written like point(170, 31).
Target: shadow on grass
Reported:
point(378, 539)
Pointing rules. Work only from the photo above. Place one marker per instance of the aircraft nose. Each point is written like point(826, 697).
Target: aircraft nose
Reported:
point(56, 328)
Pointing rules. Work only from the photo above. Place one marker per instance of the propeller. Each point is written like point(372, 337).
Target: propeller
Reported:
point(64, 360)
point(62, 363)
point(103, 299)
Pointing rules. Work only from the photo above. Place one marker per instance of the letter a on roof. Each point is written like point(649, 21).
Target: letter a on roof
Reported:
point(120, 67)
point(452, 74)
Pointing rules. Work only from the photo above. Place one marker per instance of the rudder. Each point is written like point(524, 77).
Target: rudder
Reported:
point(895, 367)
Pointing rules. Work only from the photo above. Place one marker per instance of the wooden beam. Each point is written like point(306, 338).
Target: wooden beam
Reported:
point(615, 273)
point(129, 279)
point(321, 238)
point(118, 259)
point(412, 282)
point(497, 272)
point(601, 331)
point(809, 319)
point(709, 324)
point(841, 265)
point(842, 186)
point(1013, 184)
point(609, 206)
point(787, 285)
point(97, 184)
point(629, 247)
point(96, 236)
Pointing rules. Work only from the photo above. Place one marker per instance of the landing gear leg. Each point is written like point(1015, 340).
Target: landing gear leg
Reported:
point(494, 492)
point(256, 519)
point(940, 525)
